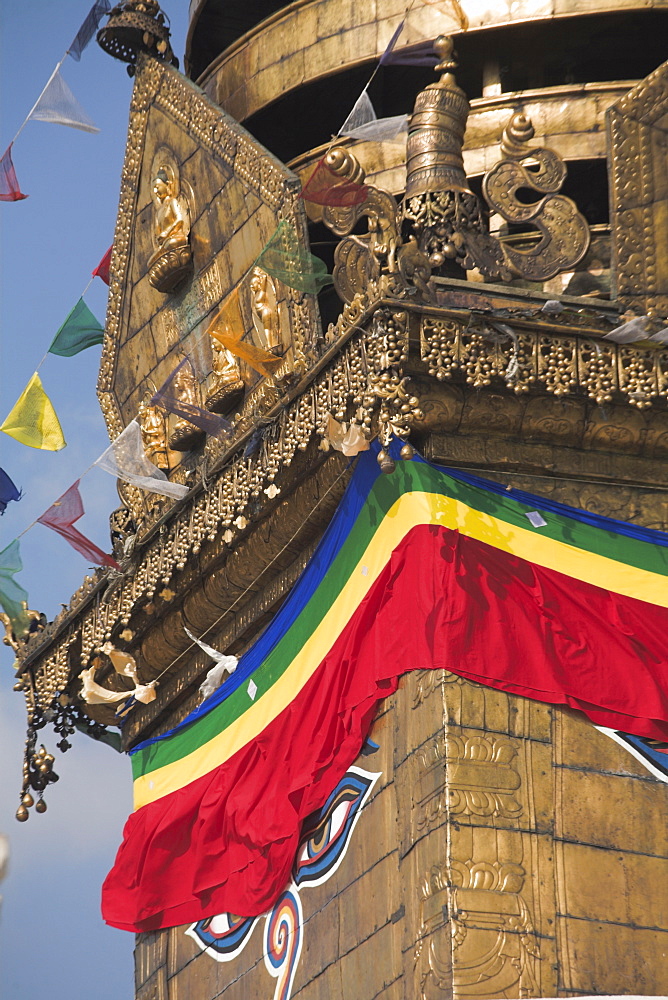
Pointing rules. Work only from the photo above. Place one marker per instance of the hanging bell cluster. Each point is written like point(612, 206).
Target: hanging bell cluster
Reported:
point(136, 26)
point(38, 773)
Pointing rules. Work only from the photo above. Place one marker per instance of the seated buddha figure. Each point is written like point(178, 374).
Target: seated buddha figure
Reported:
point(172, 256)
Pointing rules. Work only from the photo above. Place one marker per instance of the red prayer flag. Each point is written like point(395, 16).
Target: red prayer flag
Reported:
point(9, 185)
point(102, 269)
point(324, 187)
point(61, 516)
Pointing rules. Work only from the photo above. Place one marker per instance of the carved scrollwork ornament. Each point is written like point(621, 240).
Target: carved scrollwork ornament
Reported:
point(362, 259)
point(564, 233)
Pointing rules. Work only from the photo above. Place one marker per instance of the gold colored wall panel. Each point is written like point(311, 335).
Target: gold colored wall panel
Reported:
point(320, 36)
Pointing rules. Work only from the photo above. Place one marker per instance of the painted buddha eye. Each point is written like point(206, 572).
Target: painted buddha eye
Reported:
point(326, 833)
point(224, 935)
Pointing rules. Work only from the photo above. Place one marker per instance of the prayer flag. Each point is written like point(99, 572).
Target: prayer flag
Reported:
point(61, 517)
point(8, 491)
point(167, 398)
point(427, 568)
point(324, 187)
point(79, 331)
point(422, 53)
point(228, 328)
point(9, 185)
point(285, 259)
point(88, 28)
point(102, 269)
point(33, 420)
point(363, 123)
point(58, 104)
point(13, 598)
point(125, 458)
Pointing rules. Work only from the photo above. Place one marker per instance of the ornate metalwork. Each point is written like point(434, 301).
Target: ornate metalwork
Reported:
point(637, 154)
point(522, 358)
point(361, 260)
point(443, 212)
point(564, 231)
point(136, 26)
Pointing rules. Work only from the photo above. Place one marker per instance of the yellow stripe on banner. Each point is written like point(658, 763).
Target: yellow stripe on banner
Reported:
point(409, 511)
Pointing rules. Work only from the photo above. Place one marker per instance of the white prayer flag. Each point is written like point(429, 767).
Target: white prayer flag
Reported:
point(58, 104)
point(125, 458)
point(627, 333)
point(363, 123)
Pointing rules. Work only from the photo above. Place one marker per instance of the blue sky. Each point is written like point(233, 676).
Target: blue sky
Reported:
point(52, 939)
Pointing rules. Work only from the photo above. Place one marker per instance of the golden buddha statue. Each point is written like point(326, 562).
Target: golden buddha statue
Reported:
point(153, 433)
point(172, 258)
point(185, 387)
point(227, 386)
point(264, 310)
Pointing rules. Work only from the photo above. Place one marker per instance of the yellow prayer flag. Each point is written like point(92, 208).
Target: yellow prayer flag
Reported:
point(33, 420)
point(227, 327)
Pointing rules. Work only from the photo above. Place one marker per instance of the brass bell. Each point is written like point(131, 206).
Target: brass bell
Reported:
point(28, 800)
point(407, 452)
point(41, 806)
point(21, 813)
point(386, 462)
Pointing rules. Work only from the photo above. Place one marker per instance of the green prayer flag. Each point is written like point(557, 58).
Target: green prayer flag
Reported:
point(79, 331)
point(13, 598)
point(285, 259)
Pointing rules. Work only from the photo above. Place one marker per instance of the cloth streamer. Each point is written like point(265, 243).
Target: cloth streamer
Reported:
point(125, 458)
point(418, 570)
point(102, 269)
point(58, 104)
point(79, 331)
point(13, 598)
point(9, 185)
point(88, 28)
point(350, 441)
point(285, 259)
point(33, 420)
point(229, 329)
point(8, 491)
point(125, 665)
point(168, 399)
point(61, 516)
point(363, 123)
point(324, 187)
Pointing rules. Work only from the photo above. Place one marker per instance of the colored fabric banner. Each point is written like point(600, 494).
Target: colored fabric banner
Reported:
point(418, 570)
point(363, 123)
point(13, 598)
point(102, 269)
point(61, 517)
point(58, 104)
point(284, 258)
point(9, 185)
point(33, 420)
point(168, 399)
point(125, 458)
point(228, 328)
point(324, 187)
point(88, 28)
point(79, 331)
point(8, 491)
